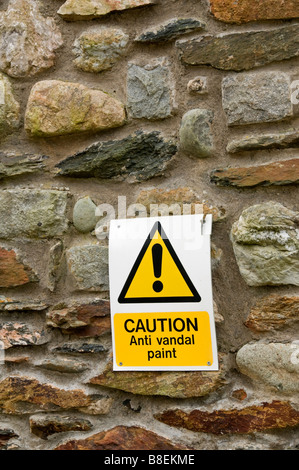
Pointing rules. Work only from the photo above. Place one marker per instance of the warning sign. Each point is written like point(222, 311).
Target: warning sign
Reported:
point(161, 294)
point(158, 275)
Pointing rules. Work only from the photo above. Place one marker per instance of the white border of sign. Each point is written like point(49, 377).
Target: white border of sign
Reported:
point(190, 238)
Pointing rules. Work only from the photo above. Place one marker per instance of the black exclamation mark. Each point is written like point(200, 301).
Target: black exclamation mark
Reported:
point(157, 251)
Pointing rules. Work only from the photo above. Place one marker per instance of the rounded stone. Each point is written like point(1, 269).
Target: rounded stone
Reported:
point(84, 218)
point(196, 136)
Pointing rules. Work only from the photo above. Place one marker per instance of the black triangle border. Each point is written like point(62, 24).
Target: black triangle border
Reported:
point(194, 298)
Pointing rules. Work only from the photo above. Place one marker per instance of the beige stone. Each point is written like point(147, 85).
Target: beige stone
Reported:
point(59, 108)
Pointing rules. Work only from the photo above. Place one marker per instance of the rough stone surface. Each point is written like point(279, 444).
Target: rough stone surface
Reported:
point(22, 395)
point(277, 173)
point(149, 91)
point(177, 200)
point(19, 334)
point(5, 436)
point(273, 364)
point(16, 165)
point(123, 438)
point(196, 136)
point(250, 98)
point(54, 267)
point(28, 41)
point(57, 108)
point(139, 156)
point(241, 51)
point(245, 11)
point(47, 425)
point(99, 49)
point(88, 267)
point(273, 313)
point(9, 108)
point(32, 213)
point(84, 218)
point(171, 30)
point(198, 85)
point(264, 141)
point(259, 418)
point(265, 242)
point(63, 364)
point(84, 320)
point(13, 305)
point(88, 9)
point(171, 384)
point(13, 272)
point(80, 348)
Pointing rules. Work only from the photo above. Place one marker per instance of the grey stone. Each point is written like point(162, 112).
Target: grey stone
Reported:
point(16, 165)
point(32, 213)
point(273, 364)
point(84, 218)
point(266, 245)
point(281, 140)
point(64, 365)
point(196, 136)
point(242, 51)
point(54, 266)
point(9, 107)
point(250, 98)
point(99, 49)
point(171, 30)
point(80, 348)
point(88, 267)
point(149, 93)
point(140, 156)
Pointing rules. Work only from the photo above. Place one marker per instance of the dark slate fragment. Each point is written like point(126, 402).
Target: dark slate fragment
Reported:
point(171, 30)
point(140, 156)
point(84, 348)
point(242, 51)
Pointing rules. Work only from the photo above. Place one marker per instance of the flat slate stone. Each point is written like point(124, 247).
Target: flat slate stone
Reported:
point(17, 165)
point(140, 156)
point(281, 140)
point(171, 30)
point(242, 51)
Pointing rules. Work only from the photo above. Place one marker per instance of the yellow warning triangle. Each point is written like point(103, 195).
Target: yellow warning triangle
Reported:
point(158, 275)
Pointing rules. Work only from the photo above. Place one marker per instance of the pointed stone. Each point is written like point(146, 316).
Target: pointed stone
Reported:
point(171, 30)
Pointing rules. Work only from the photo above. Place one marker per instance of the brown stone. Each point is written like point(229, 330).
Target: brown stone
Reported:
point(239, 394)
point(171, 384)
point(5, 436)
point(277, 173)
point(244, 11)
point(11, 305)
point(259, 418)
point(123, 438)
point(14, 273)
point(84, 320)
point(273, 313)
point(175, 199)
point(44, 426)
point(19, 395)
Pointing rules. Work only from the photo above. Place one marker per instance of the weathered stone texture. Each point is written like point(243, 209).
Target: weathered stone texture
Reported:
point(171, 384)
point(90, 319)
point(13, 272)
point(99, 49)
point(149, 91)
point(263, 141)
point(273, 313)
point(32, 213)
point(88, 9)
point(9, 107)
point(250, 98)
point(57, 108)
point(196, 135)
point(84, 218)
point(245, 11)
point(13, 305)
point(28, 41)
point(19, 334)
point(138, 157)
point(171, 30)
point(258, 418)
point(123, 438)
point(277, 174)
point(63, 364)
point(272, 364)
point(241, 51)
point(16, 165)
point(265, 242)
point(47, 425)
point(88, 267)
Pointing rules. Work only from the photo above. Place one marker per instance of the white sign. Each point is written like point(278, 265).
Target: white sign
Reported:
point(161, 294)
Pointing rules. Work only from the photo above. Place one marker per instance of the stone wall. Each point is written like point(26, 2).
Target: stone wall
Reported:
point(159, 102)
